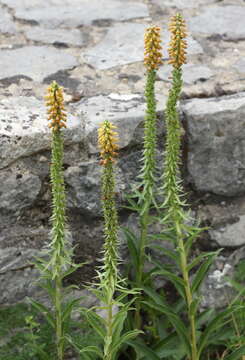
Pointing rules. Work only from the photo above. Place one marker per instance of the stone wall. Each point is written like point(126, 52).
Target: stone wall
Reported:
point(95, 51)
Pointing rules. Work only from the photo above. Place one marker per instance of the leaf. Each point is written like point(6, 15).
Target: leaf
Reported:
point(201, 272)
point(132, 247)
point(213, 326)
point(236, 355)
point(43, 310)
point(143, 349)
point(124, 339)
point(97, 323)
point(158, 299)
point(170, 346)
point(175, 280)
point(169, 253)
point(175, 321)
point(69, 307)
point(92, 349)
point(199, 258)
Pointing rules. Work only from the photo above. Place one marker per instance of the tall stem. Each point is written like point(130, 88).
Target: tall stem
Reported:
point(147, 174)
point(58, 221)
point(188, 293)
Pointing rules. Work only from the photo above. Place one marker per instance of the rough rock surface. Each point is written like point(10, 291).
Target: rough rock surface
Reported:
point(95, 51)
point(225, 21)
point(36, 63)
point(216, 130)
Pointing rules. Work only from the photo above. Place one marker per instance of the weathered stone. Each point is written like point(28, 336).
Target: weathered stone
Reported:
point(216, 289)
point(18, 193)
point(65, 14)
point(83, 191)
point(127, 113)
point(226, 21)
point(230, 235)
point(216, 132)
point(7, 26)
point(127, 47)
point(56, 36)
point(123, 44)
point(191, 73)
point(34, 62)
point(24, 130)
point(16, 272)
point(182, 4)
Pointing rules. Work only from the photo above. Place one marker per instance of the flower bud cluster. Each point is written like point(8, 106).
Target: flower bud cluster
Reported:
point(55, 105)
point(107, 140)
point(177, 46)
point(152, 54)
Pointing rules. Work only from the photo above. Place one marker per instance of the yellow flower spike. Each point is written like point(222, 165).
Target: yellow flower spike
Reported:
point(177, 46)
point(107, 141)
point(152, 54)
point(55, 105)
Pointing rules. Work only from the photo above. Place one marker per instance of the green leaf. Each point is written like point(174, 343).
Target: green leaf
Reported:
point(175, 321)
point(43, 310)
point(69, 307)
point(92, 349)
point(124, 339)
point(158, 299)
point(201, 272)
point(142, 349)
point(132, 247)
point(169, 253)
point(213, 326)
point(236, 355)
point(177, 281)
point(199, 258)
point(97, 323)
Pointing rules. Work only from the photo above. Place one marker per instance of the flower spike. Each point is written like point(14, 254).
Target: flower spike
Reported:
point(55, 105)
point(177, 46)
point(153, 55)
point(107, 142)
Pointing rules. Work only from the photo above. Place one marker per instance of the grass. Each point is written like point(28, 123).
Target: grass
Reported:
point(16, 339)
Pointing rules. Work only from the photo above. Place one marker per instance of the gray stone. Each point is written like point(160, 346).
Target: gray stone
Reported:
point(216, 150)
point(35, 62)
point(56, 36)
point(64, 14)
point(182, 4)
point(226, 21)
point(240, 65)
point(230, 235)
point(216, 289)
point(17, 275)
point(125, 111)
point(123, 44)
point(127, 42)
point(83, 191)
point(191, 73)
point(18, 193)
point(24, 130)
point(7, 26)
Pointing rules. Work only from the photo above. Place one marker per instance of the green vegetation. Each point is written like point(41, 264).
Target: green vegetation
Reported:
point(135, 318)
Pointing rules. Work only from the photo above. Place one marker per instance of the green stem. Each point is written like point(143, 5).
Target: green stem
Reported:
point(147, 175)
point(109, 330)
point(58, 234)
point(173, 190)
point(58, 309)
point(188, 293)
